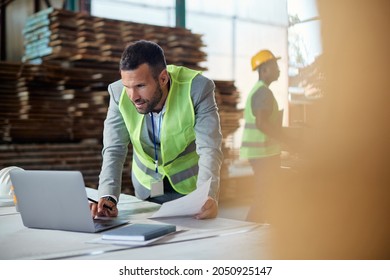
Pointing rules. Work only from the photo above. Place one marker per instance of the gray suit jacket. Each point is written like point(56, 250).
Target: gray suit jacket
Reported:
point(208, 139)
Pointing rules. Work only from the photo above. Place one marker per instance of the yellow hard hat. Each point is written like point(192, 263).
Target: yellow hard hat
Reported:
point(262, 57)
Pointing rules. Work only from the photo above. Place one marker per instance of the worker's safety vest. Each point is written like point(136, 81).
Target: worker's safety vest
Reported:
point(255, 143)
point(179, 160)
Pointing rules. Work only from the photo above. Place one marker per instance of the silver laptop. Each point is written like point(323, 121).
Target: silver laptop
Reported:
point(56, 200)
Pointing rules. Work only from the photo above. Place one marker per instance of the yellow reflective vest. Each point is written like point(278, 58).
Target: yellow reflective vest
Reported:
point(179, 160)
point(255, 143)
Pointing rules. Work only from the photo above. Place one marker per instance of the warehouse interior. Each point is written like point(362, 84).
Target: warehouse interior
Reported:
point(58, 57)
point(62, 55)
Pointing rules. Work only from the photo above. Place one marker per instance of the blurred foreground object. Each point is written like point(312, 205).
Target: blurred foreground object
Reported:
point(337, 206)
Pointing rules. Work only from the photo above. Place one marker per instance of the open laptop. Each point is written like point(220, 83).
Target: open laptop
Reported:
point(56, 200)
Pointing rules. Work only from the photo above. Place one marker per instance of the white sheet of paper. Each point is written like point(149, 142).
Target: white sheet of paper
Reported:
point(188, 205)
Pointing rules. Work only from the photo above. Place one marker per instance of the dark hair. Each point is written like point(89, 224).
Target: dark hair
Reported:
point(141, 52)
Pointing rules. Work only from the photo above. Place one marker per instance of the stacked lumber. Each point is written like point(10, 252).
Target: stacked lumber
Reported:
point(49, 33)
point(184, 48)
point(11, 101)
point(52, 103)
point(84, 156)
point(55, 34)
point(227, 97)
point(109, 36)
point(46, 108)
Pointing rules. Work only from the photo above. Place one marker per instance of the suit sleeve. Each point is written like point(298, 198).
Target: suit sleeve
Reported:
point(208, 133)
point(115, 146)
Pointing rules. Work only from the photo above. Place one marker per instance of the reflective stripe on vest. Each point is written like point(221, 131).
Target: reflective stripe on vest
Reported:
point(179, 160)
point(255, 143)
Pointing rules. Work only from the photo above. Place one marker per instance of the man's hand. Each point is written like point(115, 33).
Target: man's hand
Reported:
point(99, 210)
point(209, 209)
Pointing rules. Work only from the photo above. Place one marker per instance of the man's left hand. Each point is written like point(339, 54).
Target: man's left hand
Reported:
point(209, 209)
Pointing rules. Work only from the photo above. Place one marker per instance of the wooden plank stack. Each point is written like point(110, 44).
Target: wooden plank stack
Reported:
point(227, 97)
point(11, 101)
point(59, 34)
point(50, 33)
point(39, 98)
point(84, 156)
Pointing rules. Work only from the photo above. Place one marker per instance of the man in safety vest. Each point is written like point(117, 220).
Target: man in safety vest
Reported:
point(262, 130)
point(169, 115)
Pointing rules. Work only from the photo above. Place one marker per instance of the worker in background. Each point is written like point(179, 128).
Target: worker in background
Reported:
point(262, 135)
point(169, 115)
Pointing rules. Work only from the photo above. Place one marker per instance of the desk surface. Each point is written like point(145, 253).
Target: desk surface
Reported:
point(205, 239)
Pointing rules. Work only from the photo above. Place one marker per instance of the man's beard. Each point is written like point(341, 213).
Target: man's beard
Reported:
point(151, 104)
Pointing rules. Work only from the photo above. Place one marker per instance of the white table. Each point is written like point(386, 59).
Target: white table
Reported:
point(204, 239)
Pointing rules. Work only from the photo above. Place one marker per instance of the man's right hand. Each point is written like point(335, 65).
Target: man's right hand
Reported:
point(98, 210)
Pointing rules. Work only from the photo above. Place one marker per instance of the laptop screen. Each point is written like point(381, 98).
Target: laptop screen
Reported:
point(53, 200)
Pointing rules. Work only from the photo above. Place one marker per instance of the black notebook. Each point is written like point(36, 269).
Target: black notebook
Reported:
point(139, 232)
